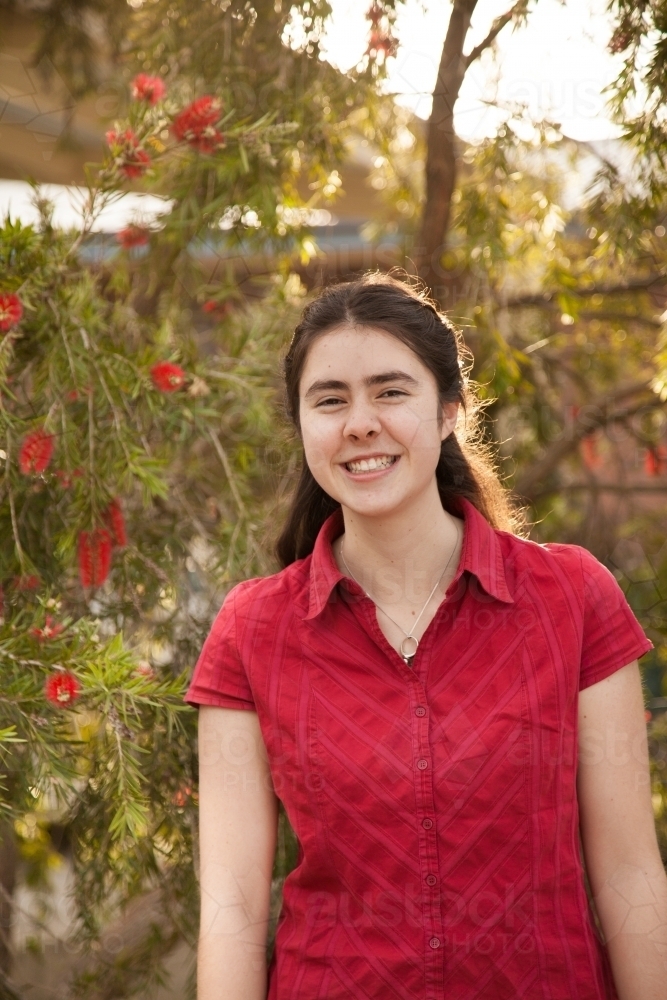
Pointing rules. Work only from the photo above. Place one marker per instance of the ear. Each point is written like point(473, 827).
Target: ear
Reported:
point(450, 413)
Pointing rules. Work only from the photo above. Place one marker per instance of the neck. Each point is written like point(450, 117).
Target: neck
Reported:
point(399, 557)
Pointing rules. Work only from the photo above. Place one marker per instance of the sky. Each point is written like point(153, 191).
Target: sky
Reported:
point(558, 64)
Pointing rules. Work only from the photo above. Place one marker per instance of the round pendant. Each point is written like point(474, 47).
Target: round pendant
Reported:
point(409, 647)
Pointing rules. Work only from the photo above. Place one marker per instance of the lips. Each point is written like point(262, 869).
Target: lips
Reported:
point(371, 464)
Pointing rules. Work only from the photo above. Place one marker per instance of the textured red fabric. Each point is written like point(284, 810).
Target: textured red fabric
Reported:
point(435, 806)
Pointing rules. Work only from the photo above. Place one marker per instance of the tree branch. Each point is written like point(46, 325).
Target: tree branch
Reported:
point(592, 314)
point(599, 413)
point(8, 990)
point(545, 298)
point(605, 487)
point(620, 317)
point(222, 455)
point(515, 12)
point(143, 933)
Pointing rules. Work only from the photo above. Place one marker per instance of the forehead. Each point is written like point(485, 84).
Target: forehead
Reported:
point(354, 352)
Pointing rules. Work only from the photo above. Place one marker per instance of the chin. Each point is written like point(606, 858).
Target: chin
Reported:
point(372, 507)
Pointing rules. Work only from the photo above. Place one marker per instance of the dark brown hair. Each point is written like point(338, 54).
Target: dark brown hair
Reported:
point(466, 466)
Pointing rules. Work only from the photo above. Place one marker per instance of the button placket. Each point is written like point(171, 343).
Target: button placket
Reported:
point(428, 860)
point(415, 676)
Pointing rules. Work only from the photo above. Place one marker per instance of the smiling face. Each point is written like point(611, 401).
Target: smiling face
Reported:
point(371, 420)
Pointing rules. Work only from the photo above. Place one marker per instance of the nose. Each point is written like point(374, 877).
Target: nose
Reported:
point(362, 421)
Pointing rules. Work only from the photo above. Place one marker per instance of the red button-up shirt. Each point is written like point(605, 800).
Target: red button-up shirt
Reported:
point(435, 805)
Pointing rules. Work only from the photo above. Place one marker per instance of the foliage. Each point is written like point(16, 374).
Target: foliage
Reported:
point(112, 760)
point(639, 92)
point(142, 468)
point(562, 305)
point(152, 377)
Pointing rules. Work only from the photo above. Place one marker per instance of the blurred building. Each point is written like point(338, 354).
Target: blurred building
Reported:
point(48, 137)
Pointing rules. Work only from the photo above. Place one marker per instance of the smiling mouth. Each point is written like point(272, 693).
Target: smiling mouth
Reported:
point(371, 464)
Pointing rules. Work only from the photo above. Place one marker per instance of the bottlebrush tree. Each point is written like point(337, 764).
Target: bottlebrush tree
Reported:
point(137, 473)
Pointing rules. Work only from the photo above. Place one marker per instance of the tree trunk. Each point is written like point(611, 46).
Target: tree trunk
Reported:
point(441, 153)
point(8, 863)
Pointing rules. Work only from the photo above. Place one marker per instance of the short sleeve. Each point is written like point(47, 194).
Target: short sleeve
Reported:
point(612, 636)
point(219, 676)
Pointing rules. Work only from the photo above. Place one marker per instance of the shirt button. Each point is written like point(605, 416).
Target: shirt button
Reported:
point(431, 880)
point(434, 942)
point(422, 764)
point(427, 823)
point(420, 711)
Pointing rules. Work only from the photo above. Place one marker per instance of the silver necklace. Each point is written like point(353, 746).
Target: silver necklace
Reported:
point(409, 645)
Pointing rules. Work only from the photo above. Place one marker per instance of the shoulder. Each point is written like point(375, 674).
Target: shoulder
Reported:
point(561, 565)
point(591, 573)
point(548, 554)
point(267, 599)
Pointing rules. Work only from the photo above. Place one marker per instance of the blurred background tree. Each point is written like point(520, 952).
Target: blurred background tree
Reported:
point(145, 464)
point(141, 464)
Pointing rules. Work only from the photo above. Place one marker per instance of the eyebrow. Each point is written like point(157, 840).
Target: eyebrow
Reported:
point(328, 385)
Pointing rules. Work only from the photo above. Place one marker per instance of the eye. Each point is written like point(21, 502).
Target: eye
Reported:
point(393, 393)
point(329, 401)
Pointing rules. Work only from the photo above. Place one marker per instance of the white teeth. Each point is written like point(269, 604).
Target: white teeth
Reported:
point(369, 464)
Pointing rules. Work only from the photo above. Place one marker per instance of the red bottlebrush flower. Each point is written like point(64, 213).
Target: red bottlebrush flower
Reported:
point(217, 309)
point(61, 688)
point(136, 167)
point(116, 522)
point(133, 236)
point(374, 14)
point(655, 460)
point(589, 451)
point(380, 42)
point(148, 88)
point(64, 478)
point(180, 797)
point(196, 124)
point(50, 630)
point(127, 153)
point(94, 553)
point(36, 451)
point(144, 669)
point(11, 311)
point(620, 40)
point(167, 377)
point(28, 581)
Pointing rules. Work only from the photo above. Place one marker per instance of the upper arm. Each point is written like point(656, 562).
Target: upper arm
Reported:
point(238, 822)
point(613, 780)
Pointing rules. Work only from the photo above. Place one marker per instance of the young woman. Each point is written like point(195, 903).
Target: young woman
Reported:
point(442, 706)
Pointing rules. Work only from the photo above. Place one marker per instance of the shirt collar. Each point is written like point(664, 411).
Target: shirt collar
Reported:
point(481, 555)
point(324, 572)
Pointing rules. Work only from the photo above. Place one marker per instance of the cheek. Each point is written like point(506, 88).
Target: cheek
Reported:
point(320, 442)
point(414, 429)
